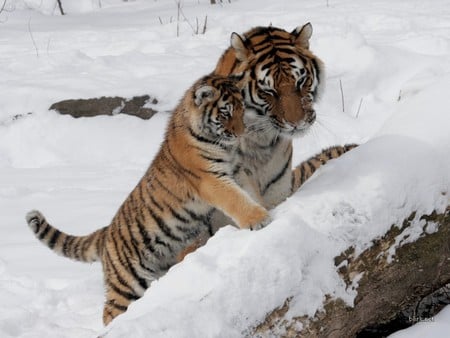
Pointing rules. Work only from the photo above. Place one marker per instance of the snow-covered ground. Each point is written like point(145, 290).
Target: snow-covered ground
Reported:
point(392, 59)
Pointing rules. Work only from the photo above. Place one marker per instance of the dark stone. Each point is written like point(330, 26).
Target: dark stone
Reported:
point(106, 106)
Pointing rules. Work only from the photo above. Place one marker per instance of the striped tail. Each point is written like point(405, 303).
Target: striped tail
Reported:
point(81, 248)
point(307, 168)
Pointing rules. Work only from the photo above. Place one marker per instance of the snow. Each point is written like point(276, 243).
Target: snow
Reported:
point(392, 60)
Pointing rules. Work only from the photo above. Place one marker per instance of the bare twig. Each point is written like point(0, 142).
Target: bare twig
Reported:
point(3, 6)
point(60, 7)
point(359, 107)
point(342, 96)
point(178, 17)
point(32, 38)
point(160, 20)
point(399, 96)
point(204, 25)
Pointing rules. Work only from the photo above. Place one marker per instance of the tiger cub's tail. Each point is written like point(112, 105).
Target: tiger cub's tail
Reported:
point(81, 248)
point(305, 169)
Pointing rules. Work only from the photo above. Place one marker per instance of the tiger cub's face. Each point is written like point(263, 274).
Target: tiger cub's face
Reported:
point(220, 106)
point(280, 77)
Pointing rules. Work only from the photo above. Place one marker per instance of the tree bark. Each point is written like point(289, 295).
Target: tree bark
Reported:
point(384, 290)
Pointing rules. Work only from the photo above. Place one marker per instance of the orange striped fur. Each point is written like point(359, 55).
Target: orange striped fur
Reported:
point(280, 79)
point(306, 169)
point(169, 210)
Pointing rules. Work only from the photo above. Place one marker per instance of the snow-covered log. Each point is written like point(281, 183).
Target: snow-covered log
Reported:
point(387, 283)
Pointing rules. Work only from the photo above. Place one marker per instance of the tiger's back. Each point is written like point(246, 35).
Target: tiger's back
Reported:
point(170, 207)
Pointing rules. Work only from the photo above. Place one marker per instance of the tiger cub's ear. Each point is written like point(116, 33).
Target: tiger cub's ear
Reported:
point(238, 44)
point(302, 35)
point(203, 94)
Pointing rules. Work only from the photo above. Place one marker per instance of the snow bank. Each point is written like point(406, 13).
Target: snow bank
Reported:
point(240, 276)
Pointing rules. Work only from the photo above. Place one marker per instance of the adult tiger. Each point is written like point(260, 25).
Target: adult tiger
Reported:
point(280, 80)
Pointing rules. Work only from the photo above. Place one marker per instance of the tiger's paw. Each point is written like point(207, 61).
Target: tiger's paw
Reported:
point(262, 224)
point(34, 219)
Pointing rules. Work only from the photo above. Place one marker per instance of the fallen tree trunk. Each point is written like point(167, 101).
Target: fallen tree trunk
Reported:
point(107, 106)
point(388, 283)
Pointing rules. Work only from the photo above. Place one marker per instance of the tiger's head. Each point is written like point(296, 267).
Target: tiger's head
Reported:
point(279, 76)
point(220, 109)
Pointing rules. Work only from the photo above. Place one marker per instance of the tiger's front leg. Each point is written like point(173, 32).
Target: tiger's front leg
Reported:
point(227, 196)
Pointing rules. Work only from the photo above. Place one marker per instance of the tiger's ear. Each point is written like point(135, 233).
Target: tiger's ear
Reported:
point(238, 44)
point(204, 93)
point(302, 35)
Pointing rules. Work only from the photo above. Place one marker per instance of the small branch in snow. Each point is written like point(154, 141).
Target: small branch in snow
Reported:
point(342, 96)
point(178, 17)
point(3, 6)
point(399, 96)
point(204, 25)
point(359, 107)
point(7, 9)
point(32, 38)
point(195, 30)
point(60, 7)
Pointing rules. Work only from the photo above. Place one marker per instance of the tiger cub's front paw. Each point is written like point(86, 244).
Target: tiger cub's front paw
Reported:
point(261, 224)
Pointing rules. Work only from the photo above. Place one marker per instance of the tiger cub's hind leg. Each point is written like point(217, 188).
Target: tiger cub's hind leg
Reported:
point(307, 168)
point(123, 284)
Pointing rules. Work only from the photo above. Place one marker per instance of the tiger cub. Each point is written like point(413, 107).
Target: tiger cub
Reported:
point(170, 207)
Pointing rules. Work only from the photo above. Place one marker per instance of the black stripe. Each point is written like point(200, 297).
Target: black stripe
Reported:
point(200, 138)
point(76, 249)
point(133, 250)
point(119, 307)
point(124, 294)
point(45, 232)
point(121, 280)
point(236, 170)
point(87, 241)
point(304, 178)
point(167, 190)
point(146, 240)
point(125, 262)
point(159, 206)
point(311, 167)
point(159, 241)
point(217, 173)
point(67, 246)
point(177, 215)
point(278, 176)
point(212, 159)
point(54, 238)
point(163, 226)
point(193, 215)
